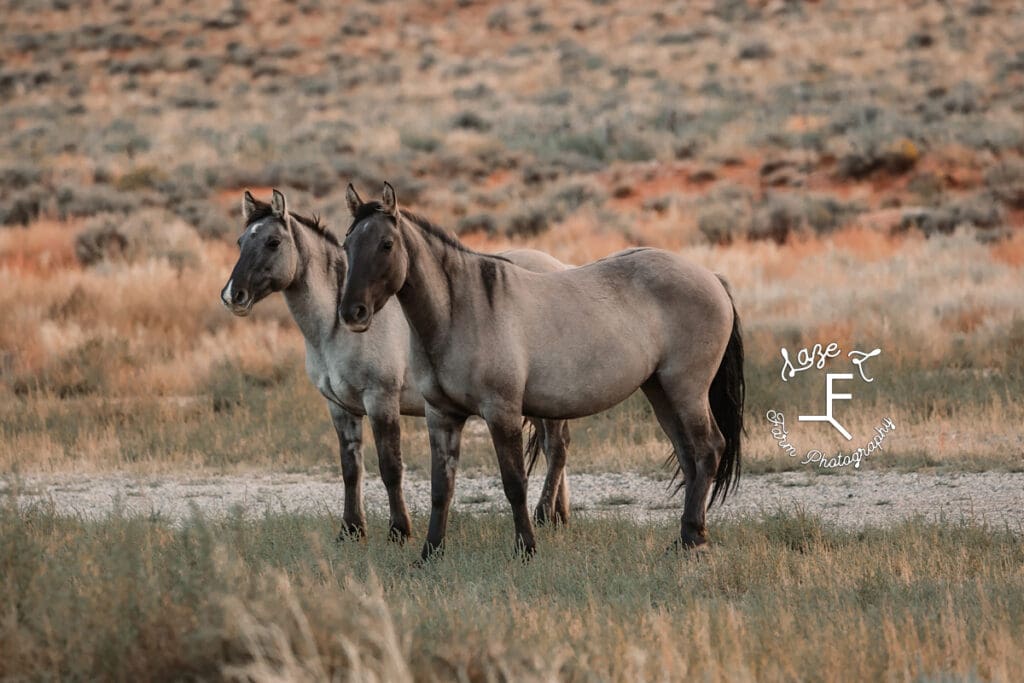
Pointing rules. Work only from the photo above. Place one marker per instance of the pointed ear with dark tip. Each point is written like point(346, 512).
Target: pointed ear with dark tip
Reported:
point(279, 205)
point(248, 205)
point(388, 202)
point(355, 202)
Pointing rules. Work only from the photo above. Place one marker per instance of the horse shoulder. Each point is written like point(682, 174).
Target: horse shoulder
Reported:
point(323, 372)
point(316, 367)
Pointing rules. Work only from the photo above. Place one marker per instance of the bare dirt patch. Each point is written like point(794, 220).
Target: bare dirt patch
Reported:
point(851, 500)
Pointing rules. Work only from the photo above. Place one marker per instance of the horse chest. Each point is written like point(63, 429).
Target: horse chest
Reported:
point(333, 385)
point(439, 380)
point(344, 394)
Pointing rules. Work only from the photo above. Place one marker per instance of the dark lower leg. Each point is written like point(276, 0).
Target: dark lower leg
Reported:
point(692, 531)
point(349, 429)
point(507, 435)
point(445, 440)
point(387, 435)
point(704, 463)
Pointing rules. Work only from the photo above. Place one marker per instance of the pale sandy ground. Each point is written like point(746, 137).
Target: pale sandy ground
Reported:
point(852, 500)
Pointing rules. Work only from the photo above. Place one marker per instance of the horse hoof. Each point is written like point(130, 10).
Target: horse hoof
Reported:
point(351, 532)
point(397, 534)
point(554, 517)
point(430, 553)
point(525, 551)
point(694, 548)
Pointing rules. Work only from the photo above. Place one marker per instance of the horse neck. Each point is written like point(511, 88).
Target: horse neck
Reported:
point(434, 272)
point(312, 296)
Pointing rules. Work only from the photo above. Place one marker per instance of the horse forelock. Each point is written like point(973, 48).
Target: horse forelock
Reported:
point(366, 210)
point(262, 210)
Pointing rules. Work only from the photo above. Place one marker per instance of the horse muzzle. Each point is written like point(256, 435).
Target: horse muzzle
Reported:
point(237, 300)
point(357, 317)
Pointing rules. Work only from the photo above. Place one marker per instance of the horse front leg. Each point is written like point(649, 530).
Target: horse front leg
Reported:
point(507, 435)
point(349, 429)
point(387, 435)
point(445, 443)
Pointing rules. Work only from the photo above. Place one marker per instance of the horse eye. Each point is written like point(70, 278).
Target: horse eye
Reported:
point(273, 243)
point(386, 245)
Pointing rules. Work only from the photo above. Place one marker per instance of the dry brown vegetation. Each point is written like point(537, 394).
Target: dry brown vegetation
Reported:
point(855, 169)
point(782, 597)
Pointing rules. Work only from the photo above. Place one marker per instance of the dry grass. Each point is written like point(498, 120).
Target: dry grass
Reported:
point(598, 125)
point(137, 366)
point(780, 598)
point(853, 168)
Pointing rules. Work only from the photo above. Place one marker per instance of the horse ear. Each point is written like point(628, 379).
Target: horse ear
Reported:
point(278, 204)
point(355, 202)
point(388, 202)
point(248, 205)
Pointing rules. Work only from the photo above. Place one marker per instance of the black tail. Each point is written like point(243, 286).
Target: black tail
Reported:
point(533, 444)
point(726, 396)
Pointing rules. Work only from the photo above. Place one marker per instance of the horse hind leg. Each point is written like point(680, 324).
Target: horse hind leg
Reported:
point(707, 444)
point(562, 500)
point(685, 416)
point(554, 498)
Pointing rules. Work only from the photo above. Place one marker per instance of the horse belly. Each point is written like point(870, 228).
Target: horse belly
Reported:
point(571, 385)
point(411, 400)
point(445, 398)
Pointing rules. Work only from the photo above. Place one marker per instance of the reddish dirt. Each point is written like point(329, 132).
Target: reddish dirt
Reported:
point(1010, 251)
point(46, 249)
point(868, 244)
point(499, 178)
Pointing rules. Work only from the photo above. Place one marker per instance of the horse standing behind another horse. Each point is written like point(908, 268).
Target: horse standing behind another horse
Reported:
point(358, 374)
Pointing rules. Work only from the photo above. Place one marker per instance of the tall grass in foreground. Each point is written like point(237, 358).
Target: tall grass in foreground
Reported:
point(784, 597)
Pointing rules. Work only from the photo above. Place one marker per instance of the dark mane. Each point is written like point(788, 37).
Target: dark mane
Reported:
point(371, 208)
point(263, 210)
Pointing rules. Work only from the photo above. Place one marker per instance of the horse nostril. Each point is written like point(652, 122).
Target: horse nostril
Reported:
point(359, 313)
point(239, 296)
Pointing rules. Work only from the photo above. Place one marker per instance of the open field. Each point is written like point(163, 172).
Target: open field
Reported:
point(169, 486)
point(780, 597)
point(100, 376)
point(874, 198)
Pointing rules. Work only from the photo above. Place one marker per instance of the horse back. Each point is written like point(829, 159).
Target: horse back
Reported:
point(616, 321)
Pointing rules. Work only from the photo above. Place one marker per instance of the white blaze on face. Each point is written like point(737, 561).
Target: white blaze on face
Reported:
point(256, 226)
